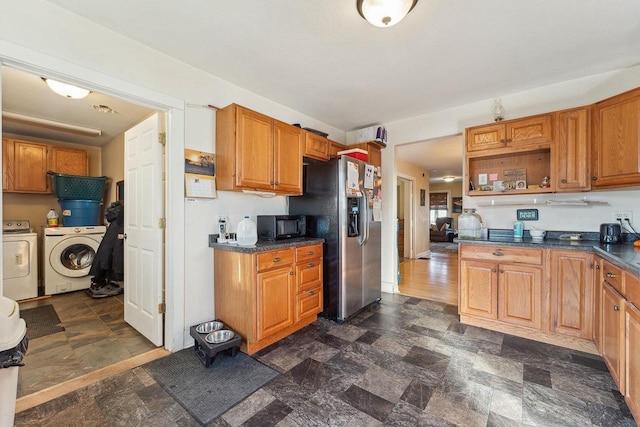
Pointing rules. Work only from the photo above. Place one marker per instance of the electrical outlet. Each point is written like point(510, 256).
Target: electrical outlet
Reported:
point(624, 216)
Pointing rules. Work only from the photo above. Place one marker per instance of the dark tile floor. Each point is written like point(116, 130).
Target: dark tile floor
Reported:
point(405, 362)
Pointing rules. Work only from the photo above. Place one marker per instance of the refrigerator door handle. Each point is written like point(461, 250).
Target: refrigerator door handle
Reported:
point(365, 228)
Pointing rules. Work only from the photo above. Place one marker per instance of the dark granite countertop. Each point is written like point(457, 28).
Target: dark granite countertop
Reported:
point(262, 246)
point(623, 255)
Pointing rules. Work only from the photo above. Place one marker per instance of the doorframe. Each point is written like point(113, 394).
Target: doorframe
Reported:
point(410, 182)
point(38, 63)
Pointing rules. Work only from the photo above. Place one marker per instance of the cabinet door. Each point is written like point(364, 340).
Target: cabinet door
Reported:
point(572, 293)
point(478, 289)
point(334, 147)
point(7, 164)
point(69, 161)
point(597, 317)
point(613, 332)
point(254, 150)
point(632, 369)
point(288, 142)
point(519, 295)
point(316, 146)
point(486, 137)
point(572, 151)
point(31, 162)
point(530, 132)
point(616, 138)
point(275, 302)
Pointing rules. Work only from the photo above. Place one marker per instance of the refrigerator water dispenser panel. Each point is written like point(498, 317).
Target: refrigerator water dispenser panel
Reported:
point(353, 209)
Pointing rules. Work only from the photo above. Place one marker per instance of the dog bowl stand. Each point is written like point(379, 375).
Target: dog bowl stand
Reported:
point(207, 352)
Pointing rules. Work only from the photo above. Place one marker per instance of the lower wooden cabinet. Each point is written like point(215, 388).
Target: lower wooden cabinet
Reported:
point(265, 296)
point(520, 295)
point(479, 289)
point(632, 359)
point(613, 333)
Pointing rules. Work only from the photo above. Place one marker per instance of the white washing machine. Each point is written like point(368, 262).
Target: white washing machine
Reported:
point(69, 253)
point(19, 260)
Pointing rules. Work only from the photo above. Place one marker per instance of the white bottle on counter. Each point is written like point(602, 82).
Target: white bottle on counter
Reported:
point(247, 232)
point(52, 218)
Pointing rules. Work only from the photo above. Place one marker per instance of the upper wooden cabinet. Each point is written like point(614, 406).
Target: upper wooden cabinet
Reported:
point(257, 152)
point(572, 150)
point(374, 150)
point(335, 147)
point(25, 165)
point(534, 132)
point(316, 146)
point(616, 141)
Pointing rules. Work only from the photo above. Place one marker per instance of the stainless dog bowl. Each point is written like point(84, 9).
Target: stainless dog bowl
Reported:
point(220, 336)
point(207, 327)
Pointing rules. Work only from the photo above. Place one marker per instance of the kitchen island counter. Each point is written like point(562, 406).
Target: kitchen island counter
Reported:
point(263, 245)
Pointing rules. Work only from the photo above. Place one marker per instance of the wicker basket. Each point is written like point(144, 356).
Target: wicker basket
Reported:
point(77, 187)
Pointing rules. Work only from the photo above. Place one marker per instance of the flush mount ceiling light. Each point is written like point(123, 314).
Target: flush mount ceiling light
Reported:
point(385, 13)
point(103, 109)
point(448, 178)
point(66, 90)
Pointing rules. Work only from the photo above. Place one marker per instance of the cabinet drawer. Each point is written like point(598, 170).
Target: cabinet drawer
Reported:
point(501, 254)
point(308, 252)
point(308, 303)
point(272, 259)
point(309, 275)
point(613, 276)
point(632, 289)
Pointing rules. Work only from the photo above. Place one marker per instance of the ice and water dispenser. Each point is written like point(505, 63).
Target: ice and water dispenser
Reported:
point(353, 221)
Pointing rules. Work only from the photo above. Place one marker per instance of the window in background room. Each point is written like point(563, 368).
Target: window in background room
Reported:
point(438, 206)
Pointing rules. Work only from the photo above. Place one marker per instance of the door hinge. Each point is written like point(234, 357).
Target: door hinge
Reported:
point(162, 308)
point(162, 223)
point(162, 138)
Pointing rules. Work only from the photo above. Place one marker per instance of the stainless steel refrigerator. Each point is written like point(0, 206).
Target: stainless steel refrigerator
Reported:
point(341, 202)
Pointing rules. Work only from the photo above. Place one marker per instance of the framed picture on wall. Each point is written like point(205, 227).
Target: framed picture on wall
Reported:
point(457, 204)
point(423, 196)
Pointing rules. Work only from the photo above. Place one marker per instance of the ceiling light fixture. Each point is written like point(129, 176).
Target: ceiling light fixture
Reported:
point(50, 124)
point(448, 178)
point(66, 90)
point(385, 13)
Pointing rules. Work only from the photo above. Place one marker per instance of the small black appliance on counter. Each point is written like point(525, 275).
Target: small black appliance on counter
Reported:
point(610, 233)
point(278, 227)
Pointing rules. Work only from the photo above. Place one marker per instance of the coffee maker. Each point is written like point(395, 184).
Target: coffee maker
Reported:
point(610, 233)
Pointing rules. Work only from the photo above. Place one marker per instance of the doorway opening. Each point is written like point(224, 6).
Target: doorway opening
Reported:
point(95, 333)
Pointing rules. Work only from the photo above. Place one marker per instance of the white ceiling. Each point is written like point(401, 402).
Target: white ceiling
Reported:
point(28, 95)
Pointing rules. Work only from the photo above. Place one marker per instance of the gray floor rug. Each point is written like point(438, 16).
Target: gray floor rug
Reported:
point(207, 393)
point(41, 321)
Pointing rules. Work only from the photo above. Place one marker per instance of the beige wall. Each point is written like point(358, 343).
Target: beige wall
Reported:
point(455, 190)
point(421, 178)
point(113, 164)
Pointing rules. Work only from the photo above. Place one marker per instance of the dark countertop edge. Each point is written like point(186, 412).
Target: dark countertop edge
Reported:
point(263, 246)
point(623, 255)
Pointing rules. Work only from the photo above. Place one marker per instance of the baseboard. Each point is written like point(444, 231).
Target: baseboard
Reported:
point(425, 255)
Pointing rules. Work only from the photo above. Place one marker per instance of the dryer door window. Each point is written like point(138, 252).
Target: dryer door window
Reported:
point(73, 257)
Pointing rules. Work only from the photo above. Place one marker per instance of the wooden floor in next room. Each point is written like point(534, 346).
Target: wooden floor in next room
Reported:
point(434, 279)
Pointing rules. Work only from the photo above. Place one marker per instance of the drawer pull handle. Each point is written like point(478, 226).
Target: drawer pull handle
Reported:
point(277, 259)
point(310, 293)
point(498, 253)
point(310, 253)
point(610, 274)
point(310, 265)
point(616, 308)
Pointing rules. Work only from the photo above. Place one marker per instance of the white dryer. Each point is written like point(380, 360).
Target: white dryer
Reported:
point(19, 260)
point(69, 253)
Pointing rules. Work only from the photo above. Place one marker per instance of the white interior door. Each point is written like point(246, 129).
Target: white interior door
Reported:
point(143, 245)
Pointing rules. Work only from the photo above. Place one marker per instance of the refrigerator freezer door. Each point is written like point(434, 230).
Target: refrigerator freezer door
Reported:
point(371, 270)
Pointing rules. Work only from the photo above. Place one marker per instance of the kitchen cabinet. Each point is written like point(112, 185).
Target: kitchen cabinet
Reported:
point(572, 288)
point(374, 151)
point(316, 146)
point(613, 332)
point(572, 150)
point(25, 165)
point(334, 148)
point(632, 367)
point(616, 141)
point(265, 296)
point(535, 132)
point(257, 152)
point(496, 283)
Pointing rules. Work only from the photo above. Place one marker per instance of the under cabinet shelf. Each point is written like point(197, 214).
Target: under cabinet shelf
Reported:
point(552, 203)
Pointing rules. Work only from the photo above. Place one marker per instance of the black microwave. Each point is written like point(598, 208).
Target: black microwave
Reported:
point(278, 227)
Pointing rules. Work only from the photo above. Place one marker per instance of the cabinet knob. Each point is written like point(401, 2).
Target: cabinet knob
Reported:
point(310, 293)
point(597, 266)
point(277, 183)
point(564, 181)
point(277, 259)
point(501, 271)
point(291, 273)
point(504, 141)
point(309, 253)
point(610, 274)
point(594, 178)
point(509, 140)
point(616, 308)
point(493, 270)
point(310, 265)
point(498, 253)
